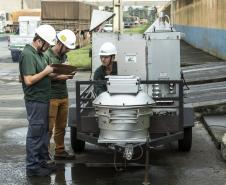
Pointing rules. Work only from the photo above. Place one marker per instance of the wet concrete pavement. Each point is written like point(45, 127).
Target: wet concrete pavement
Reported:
point(203, 165)
point(4, 52)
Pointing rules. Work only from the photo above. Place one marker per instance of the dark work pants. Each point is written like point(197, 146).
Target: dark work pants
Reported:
point(37, 140)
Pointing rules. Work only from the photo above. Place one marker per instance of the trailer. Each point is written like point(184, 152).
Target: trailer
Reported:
point(27, 26)
point(144, 106)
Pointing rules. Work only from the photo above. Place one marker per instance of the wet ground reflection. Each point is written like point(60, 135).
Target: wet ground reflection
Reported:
point(80, 174)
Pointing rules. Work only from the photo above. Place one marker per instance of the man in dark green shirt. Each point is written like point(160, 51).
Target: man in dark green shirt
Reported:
point(58, 109)
point(34, 73)
point(109, 67)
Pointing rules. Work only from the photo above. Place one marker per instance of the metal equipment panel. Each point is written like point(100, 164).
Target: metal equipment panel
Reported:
point(163, 59)
point(131, 52)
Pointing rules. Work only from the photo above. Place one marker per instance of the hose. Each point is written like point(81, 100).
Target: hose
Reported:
point(115, 164)
point(141, 154)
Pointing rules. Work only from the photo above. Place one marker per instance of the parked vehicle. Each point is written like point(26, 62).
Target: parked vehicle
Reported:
point(16, 44)
point(27, 26)
point(143, 21)
point(108, 28)
point(128, 24)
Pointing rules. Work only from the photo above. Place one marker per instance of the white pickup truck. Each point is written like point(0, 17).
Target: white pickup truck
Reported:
point(27, 26)
point(16, 45)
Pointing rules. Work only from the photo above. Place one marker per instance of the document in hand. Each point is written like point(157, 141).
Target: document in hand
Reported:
point(64, 69)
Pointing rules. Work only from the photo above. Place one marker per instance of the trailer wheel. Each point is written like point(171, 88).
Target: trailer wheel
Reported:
point(76, 144)
point(184, 145)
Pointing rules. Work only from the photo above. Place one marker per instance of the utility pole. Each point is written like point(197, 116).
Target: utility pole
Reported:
point(22, 4)
point(172, 12)
point(117, 20)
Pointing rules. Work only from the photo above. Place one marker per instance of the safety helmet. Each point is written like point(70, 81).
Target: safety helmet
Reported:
point(68, 38)
point(47, 33)
point(107, 49)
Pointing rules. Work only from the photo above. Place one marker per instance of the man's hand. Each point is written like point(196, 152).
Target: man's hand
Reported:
point(48, 69)
point(63, 77)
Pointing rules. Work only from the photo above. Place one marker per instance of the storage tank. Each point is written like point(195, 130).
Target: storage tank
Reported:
point(123, 111)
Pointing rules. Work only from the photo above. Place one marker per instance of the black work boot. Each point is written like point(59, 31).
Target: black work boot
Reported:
point(64, 156)
point(38, 172)
point(49, 165)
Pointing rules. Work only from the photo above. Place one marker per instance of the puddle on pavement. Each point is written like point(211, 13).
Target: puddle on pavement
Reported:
point(80, 174)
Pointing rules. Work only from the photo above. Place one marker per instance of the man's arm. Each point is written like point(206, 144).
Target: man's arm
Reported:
point(99, 88)
point(32, 79)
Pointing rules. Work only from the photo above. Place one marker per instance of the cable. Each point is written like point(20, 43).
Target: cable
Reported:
point(185, 83)
point(141, 154)
point(115, 164)
point(90, 55)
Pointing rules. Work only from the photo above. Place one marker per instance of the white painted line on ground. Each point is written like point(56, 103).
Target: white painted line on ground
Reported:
point(12, 109)
point(13, 121)
point(12, 97)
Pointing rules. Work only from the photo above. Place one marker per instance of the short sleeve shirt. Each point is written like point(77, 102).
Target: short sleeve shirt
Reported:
point(100, 74)
point(31, 63)
point(58, 87)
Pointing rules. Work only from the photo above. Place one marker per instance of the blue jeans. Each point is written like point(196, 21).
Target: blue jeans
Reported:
point(37, 140)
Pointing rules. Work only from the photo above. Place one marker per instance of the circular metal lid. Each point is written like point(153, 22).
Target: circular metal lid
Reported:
point(106, 99)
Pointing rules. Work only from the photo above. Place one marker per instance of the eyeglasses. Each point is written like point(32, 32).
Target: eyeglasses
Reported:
point(105, 56)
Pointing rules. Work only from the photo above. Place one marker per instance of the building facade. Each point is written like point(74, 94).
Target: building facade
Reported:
point(14, 5)
point(203, 22)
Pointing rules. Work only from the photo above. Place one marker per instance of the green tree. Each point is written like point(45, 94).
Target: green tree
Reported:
point(130, 11)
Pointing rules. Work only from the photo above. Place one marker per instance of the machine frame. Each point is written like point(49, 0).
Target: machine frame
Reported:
point(163, 129)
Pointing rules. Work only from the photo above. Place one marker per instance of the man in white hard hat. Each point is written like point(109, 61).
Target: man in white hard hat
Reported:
point(58, 109)
point(34, 72)
point(109, 66)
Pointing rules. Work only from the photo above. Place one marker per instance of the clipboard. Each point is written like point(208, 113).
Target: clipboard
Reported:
point(64, 69)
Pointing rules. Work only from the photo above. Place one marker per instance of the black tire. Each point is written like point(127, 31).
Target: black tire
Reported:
point(15, 55)
point(76, 144)
point(184, 145)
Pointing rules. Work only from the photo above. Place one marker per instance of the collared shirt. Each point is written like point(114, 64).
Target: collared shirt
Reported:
point(100, 74)
point(58, 87)
point(31, 62)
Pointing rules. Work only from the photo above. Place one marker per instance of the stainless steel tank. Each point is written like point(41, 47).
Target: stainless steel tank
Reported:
point(123, 116)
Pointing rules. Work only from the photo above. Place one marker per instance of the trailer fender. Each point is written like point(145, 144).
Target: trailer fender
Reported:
point(72, 115)
point(188, 116)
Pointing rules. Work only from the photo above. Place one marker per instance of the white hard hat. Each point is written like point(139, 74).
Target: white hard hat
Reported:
point(107, 49)
point(47, 33)
point(68, 38)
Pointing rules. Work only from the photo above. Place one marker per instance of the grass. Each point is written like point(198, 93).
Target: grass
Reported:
point(80, 57)
point(137, 29)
